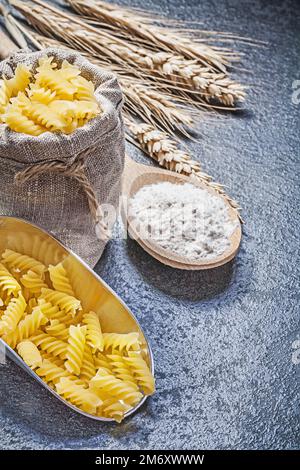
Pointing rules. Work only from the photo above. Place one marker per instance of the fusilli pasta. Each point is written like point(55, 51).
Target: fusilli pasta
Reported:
point(101, 373)
point(141, 372)
point(94, 335)
point(29, 353)
point(8, 284)
point(57, 329)
point(33, 282)
point(75, 351)
point(121, 370)
point(110, 384)
point(52, 99)
point(114, 409)
point(50, 344)
point(26, 328)
point(121, 342)
point(65, 302)
point(88, 369)
point(22, 263)
point(12, 315)
point(60, 280)
point(78, 395)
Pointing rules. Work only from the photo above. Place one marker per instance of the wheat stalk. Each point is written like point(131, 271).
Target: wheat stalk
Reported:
point(165, 151)
point(186, 75)
point(12, 28)
point(137, 25)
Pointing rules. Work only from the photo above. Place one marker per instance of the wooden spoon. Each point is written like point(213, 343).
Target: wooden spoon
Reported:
point(136, 176)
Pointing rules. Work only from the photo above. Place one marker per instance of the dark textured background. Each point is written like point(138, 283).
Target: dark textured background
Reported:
point(222, 340)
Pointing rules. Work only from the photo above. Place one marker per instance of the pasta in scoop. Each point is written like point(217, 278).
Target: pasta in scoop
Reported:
point(102, 373)
point(51, 99)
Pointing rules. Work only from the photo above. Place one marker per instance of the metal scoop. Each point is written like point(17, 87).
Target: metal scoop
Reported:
point(94, 293)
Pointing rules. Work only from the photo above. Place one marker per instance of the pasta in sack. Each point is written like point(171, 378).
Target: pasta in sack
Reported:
point(61, 147)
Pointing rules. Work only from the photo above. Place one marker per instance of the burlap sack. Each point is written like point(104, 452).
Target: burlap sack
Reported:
point(58, 181)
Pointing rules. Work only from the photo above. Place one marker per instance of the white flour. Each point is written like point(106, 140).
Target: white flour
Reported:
point(186, 220)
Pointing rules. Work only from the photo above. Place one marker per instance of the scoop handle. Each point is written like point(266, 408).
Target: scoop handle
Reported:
point(7, 46)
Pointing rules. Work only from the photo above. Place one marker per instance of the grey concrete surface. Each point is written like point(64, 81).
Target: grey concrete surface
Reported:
point(222, 340)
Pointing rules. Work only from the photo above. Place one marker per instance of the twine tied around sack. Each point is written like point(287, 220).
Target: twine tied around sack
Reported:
point(77, 171)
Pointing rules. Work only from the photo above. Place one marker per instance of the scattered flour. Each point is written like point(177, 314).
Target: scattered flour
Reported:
point(183, 219)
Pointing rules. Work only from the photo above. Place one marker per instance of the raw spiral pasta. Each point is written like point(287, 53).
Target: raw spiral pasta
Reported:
point(4, 97)
point(12, 314)
point(114, 409)
point(10, 88)
point(41, 95)
point(101, 360)
point(50, 99)
point(65, 302)
point(84, 89)
point(29, 353)
point(35, 247)
point(8, 284)
point(78, 395)
point(121, 342)
point(59, 279)
point(52, 371)
point(50, 344)
point(22, 263)
point(108, 383)
point(33, 282)
point(43, 116)
point(88, 369)
point(53, 359)
point(53, 312)
point(104, 374)
point(141, 372)
point(94, 335)
point(25, 328)
point(74, 356)
point(31, 304)
point(17, 121)
point(121, 370)
point(20, 81)
point(58, 329)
